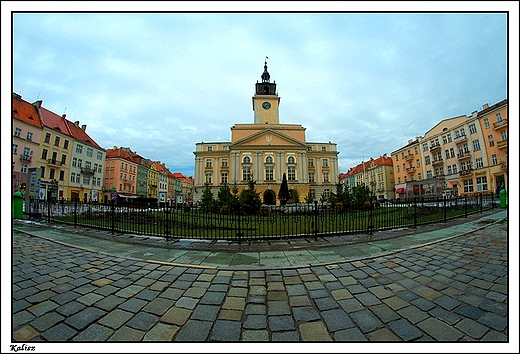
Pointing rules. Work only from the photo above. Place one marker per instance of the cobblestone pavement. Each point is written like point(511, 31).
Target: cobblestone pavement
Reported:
point(453, 290)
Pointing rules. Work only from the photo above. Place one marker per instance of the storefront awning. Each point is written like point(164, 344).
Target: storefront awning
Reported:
point(399, 190)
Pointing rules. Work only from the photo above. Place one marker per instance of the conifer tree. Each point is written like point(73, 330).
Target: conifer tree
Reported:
point(283, 193)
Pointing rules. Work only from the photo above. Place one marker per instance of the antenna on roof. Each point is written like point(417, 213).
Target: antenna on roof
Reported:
point(65, 112)
point(37, 98)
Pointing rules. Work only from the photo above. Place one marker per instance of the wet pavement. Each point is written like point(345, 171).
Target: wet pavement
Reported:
point(441, 283)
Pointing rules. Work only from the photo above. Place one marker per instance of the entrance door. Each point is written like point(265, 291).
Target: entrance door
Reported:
point(269, 197)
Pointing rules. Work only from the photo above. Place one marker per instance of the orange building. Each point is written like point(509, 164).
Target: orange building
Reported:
point(120, 172)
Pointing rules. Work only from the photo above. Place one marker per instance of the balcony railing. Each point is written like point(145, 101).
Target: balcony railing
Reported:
point(466, 172)
point(463, 156)
point(26, 158)
point(435, 147)
point(437, 162)
point(410, 170)
point(408, 157)
point(499, 125)
point(88, 170)
point(502, 144)
point(460, 139)
point(54, 162)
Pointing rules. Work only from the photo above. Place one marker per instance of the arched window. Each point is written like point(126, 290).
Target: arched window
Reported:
point(269, 159)
point(246, 159)
point(291, 159)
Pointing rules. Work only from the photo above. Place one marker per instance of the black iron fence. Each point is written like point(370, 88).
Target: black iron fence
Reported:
point(294, 220)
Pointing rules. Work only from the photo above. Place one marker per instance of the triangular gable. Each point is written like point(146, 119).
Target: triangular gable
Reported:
point(268, 136)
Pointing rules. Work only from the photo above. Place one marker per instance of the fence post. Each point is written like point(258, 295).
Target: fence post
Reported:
point(445, 207)
point(465, 206)
point(481, 202)
point(166, 216)
point(112, 215)
point(75, 212)
point(316, 230)
point(415, 212)
point(239, 233)
point(370, 225)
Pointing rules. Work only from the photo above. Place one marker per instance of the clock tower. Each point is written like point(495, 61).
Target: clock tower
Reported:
point(266, 101)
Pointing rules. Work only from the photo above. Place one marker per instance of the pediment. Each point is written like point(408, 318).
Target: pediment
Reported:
point(268, 137)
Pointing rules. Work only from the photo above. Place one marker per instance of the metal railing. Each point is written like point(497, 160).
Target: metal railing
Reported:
point(292, 220)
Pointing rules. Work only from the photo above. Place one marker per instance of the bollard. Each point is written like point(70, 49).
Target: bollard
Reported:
point(503, 198)
point(18, 205)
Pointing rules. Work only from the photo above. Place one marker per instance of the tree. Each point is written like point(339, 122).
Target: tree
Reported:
point(250, 199)
point(360, 195)
point(206, 201)
point(283, 193)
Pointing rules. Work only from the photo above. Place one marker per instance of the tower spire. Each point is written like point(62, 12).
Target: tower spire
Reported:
point(265, 75)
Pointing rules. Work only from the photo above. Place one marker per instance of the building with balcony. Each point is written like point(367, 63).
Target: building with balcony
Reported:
point(121, 173)
point(376, 174)
point(264, 151)
point(27, 131)
point(407, 166)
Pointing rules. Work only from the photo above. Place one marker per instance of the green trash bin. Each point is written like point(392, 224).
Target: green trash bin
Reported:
point(18, 205)
point(503, 198)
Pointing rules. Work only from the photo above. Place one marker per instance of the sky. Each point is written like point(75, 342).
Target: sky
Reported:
point(162, 82)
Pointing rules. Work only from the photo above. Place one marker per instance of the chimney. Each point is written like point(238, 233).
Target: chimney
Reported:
point(474, 114)
point(84, 127)
point(76, 123)
point(64, 116)
point(410, 141)
point(485, 105)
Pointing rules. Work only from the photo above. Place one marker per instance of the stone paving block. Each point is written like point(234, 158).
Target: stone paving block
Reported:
point(385, 313)
point(383, 335)
point(275, 308)
point(494, 321)
point(367, 299)
point(159, 285)
point(213, 298)
point(158, 306)
point(318, 293)
point(495, 307)
point(305, 314)
point(281, 323)
point(225, 331)
point(468, 311)
point(176, 315)
point(172, 293)
point(194, 331)
point(286, 336)
point(498, 297)
point(187, 302)
point(314, 332)
point(336, 319)
point(133, 305)
point(85, 317)
point(110, 302)
point(412, 314)
point(116, 318)
point(405, 329)
point(297, 301)
point(89, 299)
point(195, 292)
point(395, 302)
point(237, 292)
point(40, 296)
point(205, 312)
point(255, 336)
point(46, 321)
point(41, 308)
point(129, 291)
point(278, 285)
point(234, 303)
point(422, 304)
point(326, 303)
point(59, 333)
point(350, 305)
point(255, 322)
point(161, 332)
point(297, 289)
point(341, 294)
point(142, 321)
point(366, 320)
point(94, 333)
point(447, 302)
point(101, 282)
point(472, 328)
point(25, 334)
point(494, 336)
point(126, 334)
point(439, 330)
point(277, 295)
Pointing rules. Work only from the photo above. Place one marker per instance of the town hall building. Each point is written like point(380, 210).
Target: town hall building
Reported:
point(264, 151)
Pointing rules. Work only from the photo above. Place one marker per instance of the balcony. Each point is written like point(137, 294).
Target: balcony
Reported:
point(54, 162)
point(499, 125)
point(463, 156)
point(408, 157)
point(437, 162)
point(502, 144)
point(410, 170)
point(466, 172)
point(26, 158)
point(88, 170)
point(460, 139)
point(435, 147)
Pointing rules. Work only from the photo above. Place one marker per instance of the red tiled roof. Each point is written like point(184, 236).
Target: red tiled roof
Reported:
point(53, 121)
point(25, 111)
point(81, 135)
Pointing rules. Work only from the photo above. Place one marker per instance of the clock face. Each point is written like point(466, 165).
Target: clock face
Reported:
point(266, 105)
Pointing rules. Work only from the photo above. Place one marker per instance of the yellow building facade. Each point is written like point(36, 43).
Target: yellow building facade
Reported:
point(264, 151)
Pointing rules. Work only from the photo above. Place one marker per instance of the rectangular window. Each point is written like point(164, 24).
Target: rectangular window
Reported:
point(79, 163)
point(224, 162)
point(78, 177)
point(86, 179)
point(17, 132)
point(291, 173)
point(486, 122)
point(52, 174)
point(476, 145)
point(429, 174)
point(23, 169)
point(309, 148)
point(419, 176)
point(246, 173)
point(447, 154)
point(472, 129)
point(325, 162)
point(494, 159)
point(311, 177)
point(326, 177)
point(323, 148)
point(74, 161)
point(208, 162)
point(100, 155)
point(491, 142)
point(454, 168)
point(425, 147)
point(47, 137)
point(468, 185)
point(62, 175)
point(310, 162)
point(449, 138)
point(73, 177)
point(398, 169)
point(503, 134)
point(449, 170)
point(481, 184)
point(43, 171)
point(462, 132)
point(29, 135)
point(90, 151)
point(427, 160)
point(63, 159)
point(396, 157)
point(444, 140)
point(499, 118)
point(44, 154)
point(479, 163)
point(79, 148)
point(15, 149)
point(66, 144)
point(417, 163)
point(466, 148)
point(210, 148)
point(208, 177)
point(57, 141)
point(224, 178)
point(269, 175)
